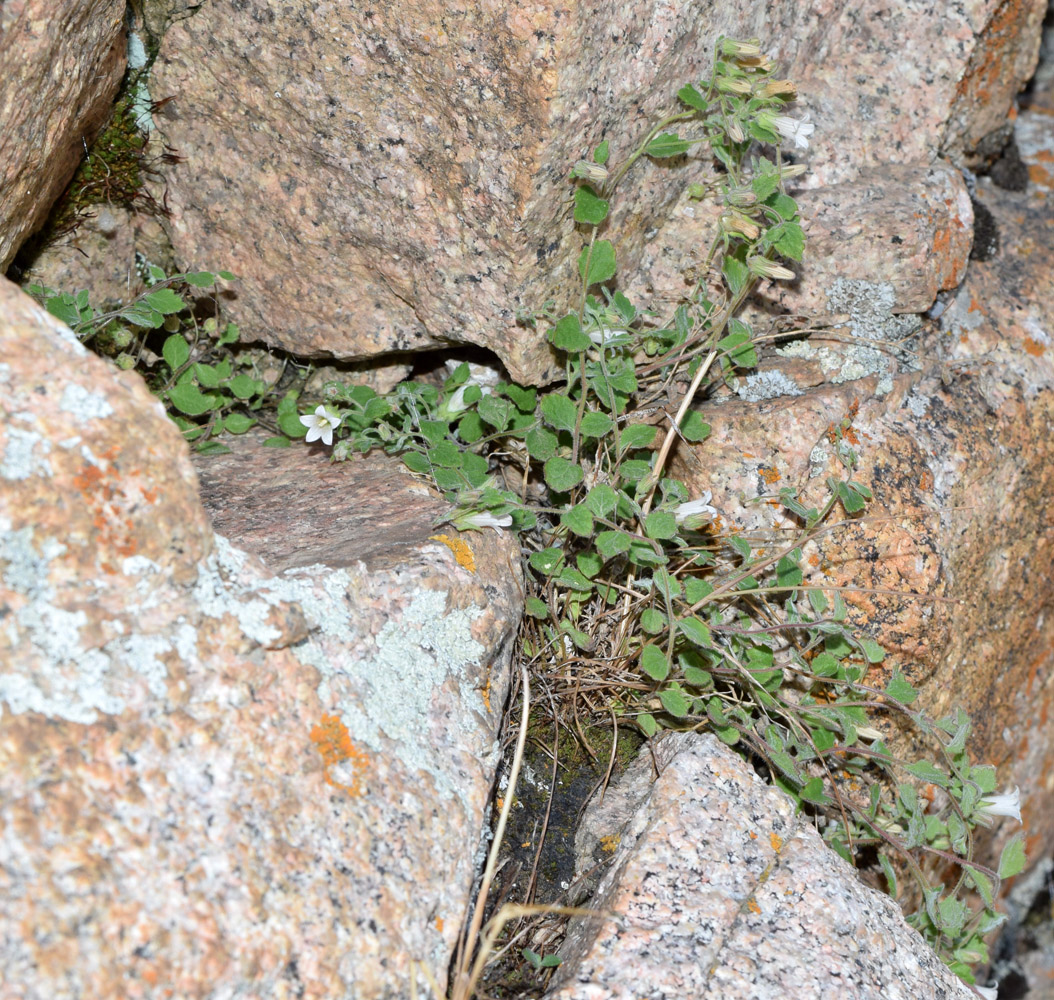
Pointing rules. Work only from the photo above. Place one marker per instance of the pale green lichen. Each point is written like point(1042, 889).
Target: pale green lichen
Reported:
point(25, 455)
point(83, 404)
point(766, 385)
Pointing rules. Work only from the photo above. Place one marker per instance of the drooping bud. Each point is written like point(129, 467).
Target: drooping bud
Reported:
point(590, 171)
point(737, 222)
point(765, 268)
point(731, 47)
point(741, 197)
point(733, 85)
point(779, 88)
point(735, 131)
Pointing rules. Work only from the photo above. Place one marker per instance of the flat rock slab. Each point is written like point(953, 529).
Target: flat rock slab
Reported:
point(217, 779)
point(718, 891)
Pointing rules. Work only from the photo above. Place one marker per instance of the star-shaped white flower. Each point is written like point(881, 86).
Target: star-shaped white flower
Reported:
point(320, 425)
point(1006, 804)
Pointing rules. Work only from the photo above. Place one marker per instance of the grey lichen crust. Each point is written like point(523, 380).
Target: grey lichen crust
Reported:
point(871, 318)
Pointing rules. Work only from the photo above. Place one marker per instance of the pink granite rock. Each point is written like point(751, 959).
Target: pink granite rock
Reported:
point(60, 63)
point(950, 422)
point(216, 777)
point(718, 890)
point(395, 178)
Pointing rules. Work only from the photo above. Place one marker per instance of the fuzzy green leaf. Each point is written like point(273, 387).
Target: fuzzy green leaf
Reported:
point(589, 207)
point(601, 500)
point(660, 524)
point(579, 520)
point(1013, 860)
point(190, 400)
point(567, 336)
point(654, 663)
point(667, 144)
point(243, 386)
point(596, 425)
point(541, 444)
point(653, 622)
point(601, 153)
point(696, 631)
point(694, 428)
point(175, 351)
point(561, 475)
point(165, 301)
point(547, 561)
point(558, 411)
point(648, 726)
point(690, 96)
point(536, 608)
point(674, 701)
point(601, 263)
point(900, 690)
point(237, 423)
point(612, 543)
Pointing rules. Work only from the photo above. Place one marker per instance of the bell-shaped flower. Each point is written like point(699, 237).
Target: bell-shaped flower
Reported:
point(695, 513)
point(477, 520)
point(1006, 804)
point(796, 129)
point(320, 425)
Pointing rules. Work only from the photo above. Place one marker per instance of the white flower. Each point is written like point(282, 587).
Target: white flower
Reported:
point(320, 424)
point(482, 519)
point(604, 334)
point(1007, 804)
point(695, 512)
point(988, 992)
point(798, 129)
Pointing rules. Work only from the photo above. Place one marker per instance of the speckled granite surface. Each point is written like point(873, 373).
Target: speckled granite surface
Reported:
point(717, 891)
point(217, 779)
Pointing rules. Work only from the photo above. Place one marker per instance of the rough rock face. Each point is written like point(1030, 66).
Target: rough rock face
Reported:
point(951, 421)
point(718, 891)
point(217, 778)
point(61, 64)
point(394, 178)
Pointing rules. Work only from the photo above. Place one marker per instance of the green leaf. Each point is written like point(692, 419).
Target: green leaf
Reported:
point(561, 475)
point(636, 436)
point(289, 424)
point(571, 579)
point(900, 690)
point(625, 308)
point(200, 279)
point(589, 563)
point(690, 96)
point(648, 726)
point(952, 913)
point(589, 207)
point(739, 349)
point(175, 351)
point(470, 427)
point(871, 649)
point(924, 770)
point(601, 500)
point(140, 314)
point(695, 589)
point(541, 444)
point(601, 263)
point(243, 386)
point(190, 400)
point(579, 520)
point(558, 411)
point(812, 791)
point(674, 701)
point(279, 441)
point(667, 144)
point(788, 572)
point(237, 423)
point(788, 239)
point(785, 206)
point(212, 448)
point(696, 631)
point(446, 454)
point(653, 622)
point(891, 878)
point(983, 884)
point(694, 428)
point(601, 153)
point(612, 543)
point(230, 335)
point(227, 276)
point(524, 399)
point(1013, 860)
point(536, 608)
point(736, 273)
point(495, 411)
point(206, 376)
point(596, 425)
point(547, 561)
point(165, 301)
point(63, 308)
point(660, 524)
point(654, 663)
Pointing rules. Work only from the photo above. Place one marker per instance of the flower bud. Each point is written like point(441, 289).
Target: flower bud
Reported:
point(735, 131)
point(124, 362)
point(733, 85)
point(590, 171)
point(741, 197)
point(736, 222)
point(765, 268)
point(730, 47)
point(779, 88)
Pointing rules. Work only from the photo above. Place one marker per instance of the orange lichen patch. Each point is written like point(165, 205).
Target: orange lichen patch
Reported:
point(926, 480)
point(1033, 347)
point(485, 694)
point(752, 905)
point(462, 553)
point(752, 835)
point(333, 741)
point(108, 504)
point(439, 924)
point(769, 474)
point(776, 841)
point(610, 842)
